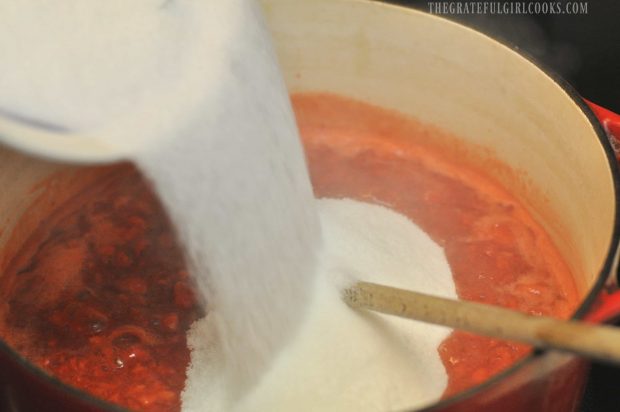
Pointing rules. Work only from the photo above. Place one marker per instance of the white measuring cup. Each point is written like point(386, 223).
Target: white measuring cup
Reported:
point(55, 143)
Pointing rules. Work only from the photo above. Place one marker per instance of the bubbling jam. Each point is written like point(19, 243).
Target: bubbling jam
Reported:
point(100, 296)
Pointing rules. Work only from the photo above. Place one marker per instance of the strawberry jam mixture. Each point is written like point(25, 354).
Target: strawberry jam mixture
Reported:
point(498, 254)
point(100, 297)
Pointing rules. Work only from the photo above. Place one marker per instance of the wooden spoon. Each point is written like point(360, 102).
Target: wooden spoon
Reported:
point(591, 341)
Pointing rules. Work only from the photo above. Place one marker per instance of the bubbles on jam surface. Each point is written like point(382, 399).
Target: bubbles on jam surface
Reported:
point(104, 302)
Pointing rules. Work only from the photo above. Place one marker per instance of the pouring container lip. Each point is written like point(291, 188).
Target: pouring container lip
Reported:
point(99, 404)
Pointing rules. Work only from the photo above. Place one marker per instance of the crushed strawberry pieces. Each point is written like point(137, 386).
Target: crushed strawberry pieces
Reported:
point(105, 302)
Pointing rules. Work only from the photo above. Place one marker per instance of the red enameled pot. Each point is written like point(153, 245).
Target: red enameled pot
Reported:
point(501, 105)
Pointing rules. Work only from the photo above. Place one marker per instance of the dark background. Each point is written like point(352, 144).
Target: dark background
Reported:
point(585, 51)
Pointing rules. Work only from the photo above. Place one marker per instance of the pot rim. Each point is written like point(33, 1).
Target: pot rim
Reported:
point(63, 388)
point(586, 304)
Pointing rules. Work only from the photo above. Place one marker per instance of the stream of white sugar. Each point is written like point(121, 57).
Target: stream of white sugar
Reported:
point(192, 91)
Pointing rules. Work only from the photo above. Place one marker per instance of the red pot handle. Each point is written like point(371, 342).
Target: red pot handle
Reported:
point(606, 309)
point(611, 124)
point(607, 306)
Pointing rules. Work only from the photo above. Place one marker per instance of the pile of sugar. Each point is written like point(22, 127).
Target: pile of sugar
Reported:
point(192, 90)
point(343, 360)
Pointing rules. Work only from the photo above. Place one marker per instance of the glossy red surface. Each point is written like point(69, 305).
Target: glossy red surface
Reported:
point(611, 123)
point(607, 307)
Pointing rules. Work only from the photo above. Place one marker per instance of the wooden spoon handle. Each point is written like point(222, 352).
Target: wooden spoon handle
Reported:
point(597, 342)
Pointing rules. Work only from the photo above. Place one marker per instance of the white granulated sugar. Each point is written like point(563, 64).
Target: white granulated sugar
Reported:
point(236, 186)
point(344, 360)
point(191, 91)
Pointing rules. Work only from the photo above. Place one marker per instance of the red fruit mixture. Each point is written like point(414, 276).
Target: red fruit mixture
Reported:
point(104, 301)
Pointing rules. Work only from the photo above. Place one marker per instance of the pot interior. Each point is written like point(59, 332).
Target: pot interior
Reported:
point(511, 118)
